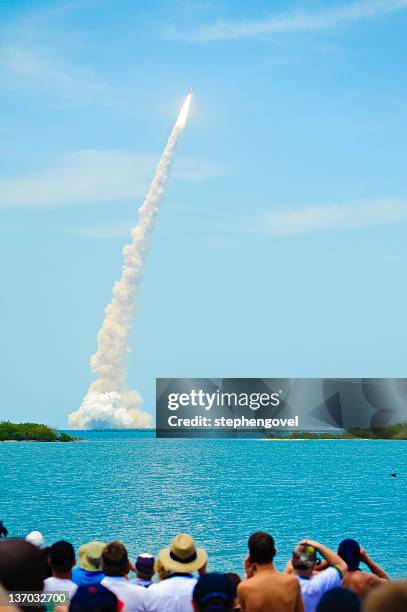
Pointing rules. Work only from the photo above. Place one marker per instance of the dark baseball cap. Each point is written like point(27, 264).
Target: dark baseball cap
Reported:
point(349, 551)
point(94, 598)
point(62, 554)
point(214, 593)
point(145, 562)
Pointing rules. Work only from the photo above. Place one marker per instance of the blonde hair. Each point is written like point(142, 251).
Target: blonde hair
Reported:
point(160, 570)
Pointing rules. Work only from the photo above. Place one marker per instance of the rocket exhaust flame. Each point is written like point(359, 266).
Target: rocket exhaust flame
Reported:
point(108, 402)
point(183, 116)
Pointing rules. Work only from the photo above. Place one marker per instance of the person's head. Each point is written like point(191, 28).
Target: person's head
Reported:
point(90, 556)
point(182, 556)
point(145, 566)
point(21, 566)
point(339, 600)
point(262, 549)
point(303, 559)
point(213, 593)
point(349, 551)
point(115, 560)
point(61, 559)
point(36, 538)
point(235, 580)
point(94, 598)
point(390, 596)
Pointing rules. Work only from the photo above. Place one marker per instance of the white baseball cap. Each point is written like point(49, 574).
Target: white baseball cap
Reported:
point(36, 538)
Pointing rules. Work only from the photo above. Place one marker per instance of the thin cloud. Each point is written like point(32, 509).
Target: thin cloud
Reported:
point(296, 21)
point(30, 69)
point(96, 176)
point(322, 218)
point(36, 57)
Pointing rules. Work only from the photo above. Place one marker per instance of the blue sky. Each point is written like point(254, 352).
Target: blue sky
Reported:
point(280, 247)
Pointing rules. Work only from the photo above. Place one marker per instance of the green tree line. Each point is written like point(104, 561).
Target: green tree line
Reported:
point(398, 431)
point(32, 431)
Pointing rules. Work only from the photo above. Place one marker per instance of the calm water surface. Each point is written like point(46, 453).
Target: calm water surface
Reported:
point(131, 486)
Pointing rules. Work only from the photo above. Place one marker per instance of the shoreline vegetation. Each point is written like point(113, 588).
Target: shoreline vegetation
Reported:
point(32, 432)
point(37, 432)
point(398, 431)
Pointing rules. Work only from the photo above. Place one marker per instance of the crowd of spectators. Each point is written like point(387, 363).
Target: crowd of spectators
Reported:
point(104, 578)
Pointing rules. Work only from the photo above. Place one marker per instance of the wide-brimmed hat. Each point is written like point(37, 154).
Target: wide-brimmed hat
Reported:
point(90, 556)
point(183, 555)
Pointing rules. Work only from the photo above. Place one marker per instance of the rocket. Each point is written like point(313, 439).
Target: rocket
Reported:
point(182, 117)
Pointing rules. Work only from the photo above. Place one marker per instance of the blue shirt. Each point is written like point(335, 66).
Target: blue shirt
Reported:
point(83, 577)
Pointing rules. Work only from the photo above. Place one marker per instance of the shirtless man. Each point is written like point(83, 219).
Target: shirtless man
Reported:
point(265, 589)
point(356, 580)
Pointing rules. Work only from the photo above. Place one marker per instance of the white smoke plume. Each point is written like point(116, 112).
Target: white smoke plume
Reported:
point(108, 402)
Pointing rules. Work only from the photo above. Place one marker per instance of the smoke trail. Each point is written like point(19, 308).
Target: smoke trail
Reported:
point(108, 402)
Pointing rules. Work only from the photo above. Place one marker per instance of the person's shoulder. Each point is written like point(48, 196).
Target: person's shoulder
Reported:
point(288, 578)
point(333, 570)
point(134, 588)
point(247, 585)
point(364, 578)
point(288, 582)
point(242, 585)
point(256, 581)
point(283, 576)
point(331, 576)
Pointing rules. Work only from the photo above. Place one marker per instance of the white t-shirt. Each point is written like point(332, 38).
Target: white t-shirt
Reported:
point(131, 595)
point(174, 594)
point(60, 585)
point(313, 588)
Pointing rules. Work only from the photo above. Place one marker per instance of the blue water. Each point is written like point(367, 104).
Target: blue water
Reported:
point(131, 486)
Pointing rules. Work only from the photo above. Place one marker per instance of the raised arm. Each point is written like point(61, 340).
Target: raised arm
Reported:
point(372, 565)
point(331, 557)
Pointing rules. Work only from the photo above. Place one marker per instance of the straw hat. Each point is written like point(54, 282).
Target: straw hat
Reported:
point(90, 556)
point(182, 556)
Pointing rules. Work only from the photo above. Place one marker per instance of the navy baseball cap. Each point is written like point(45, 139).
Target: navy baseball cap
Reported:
point(349, 551)
point(94, 598)
point(145, 562)
point(214, 593)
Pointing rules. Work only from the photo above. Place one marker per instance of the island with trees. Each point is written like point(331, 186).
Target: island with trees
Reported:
point(32, 432)
point(398, 431)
